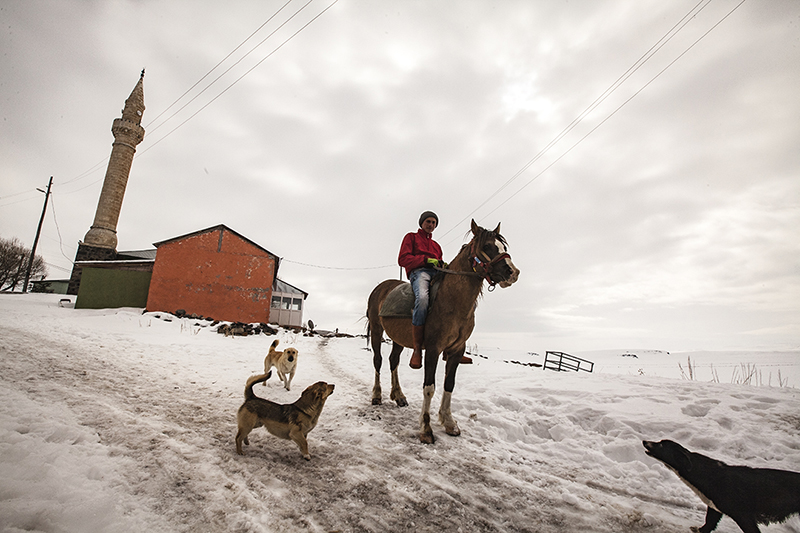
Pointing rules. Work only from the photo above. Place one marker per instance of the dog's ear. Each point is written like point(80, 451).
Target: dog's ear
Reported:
point(312, 392)
point(320, 388)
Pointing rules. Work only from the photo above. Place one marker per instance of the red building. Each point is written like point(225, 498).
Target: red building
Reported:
point(216, 273)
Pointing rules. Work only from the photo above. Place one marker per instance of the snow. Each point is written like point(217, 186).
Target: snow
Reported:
point(115, 420)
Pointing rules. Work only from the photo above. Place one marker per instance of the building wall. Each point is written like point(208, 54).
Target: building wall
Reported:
point(103, 288)
point(87, 252)
point(52, 286)
point(287, 309)
point(216, 275)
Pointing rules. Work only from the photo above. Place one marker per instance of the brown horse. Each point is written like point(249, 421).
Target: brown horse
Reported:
point(449, 324)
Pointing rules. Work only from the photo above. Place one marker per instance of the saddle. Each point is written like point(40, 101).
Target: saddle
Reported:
point(399, 303)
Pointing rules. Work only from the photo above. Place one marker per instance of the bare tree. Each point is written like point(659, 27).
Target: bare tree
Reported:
point(14, 261)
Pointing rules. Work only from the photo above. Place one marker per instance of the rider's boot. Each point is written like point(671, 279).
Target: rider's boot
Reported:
point(464, 359)
point(418, 334)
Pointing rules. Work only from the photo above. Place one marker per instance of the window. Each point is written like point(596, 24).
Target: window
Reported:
point(276, 302)
point(287, 303)
point(297, 304)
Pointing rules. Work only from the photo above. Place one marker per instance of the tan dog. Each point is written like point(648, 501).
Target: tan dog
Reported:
point(288, 421)
point(285, 363)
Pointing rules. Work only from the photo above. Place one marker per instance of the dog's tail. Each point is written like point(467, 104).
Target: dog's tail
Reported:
point(274, 345)
point(248, 388)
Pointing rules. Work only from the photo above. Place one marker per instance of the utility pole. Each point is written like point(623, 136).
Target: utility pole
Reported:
point(36, 239)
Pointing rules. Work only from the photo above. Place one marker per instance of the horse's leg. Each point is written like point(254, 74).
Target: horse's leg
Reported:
point(394, 361)
point(425, 431)
point(376, 336)
point(445, 416)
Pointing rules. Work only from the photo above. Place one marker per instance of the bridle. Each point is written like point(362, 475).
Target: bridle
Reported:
point(480, 268)
point(484, 268)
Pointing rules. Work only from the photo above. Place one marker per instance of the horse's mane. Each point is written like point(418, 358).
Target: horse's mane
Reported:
point(480, 240)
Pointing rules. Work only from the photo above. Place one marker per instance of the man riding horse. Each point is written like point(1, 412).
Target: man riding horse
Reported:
point(420, 255)
point(484, 259)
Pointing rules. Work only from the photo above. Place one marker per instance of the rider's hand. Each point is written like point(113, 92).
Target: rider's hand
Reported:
point(433, 262)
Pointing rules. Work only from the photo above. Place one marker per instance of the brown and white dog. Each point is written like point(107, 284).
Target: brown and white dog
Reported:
point(750, 496)
point(287, 421)
point(285, 363)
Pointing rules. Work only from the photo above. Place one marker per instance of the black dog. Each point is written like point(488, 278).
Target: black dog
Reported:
point(750, 496)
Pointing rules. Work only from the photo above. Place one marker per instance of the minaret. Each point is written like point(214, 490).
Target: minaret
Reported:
point(128, 133)
point(100, 242)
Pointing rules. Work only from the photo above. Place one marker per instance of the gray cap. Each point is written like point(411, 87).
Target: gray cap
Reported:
point(428, 214)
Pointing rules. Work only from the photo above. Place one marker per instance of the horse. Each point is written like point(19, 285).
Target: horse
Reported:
point(449, 324)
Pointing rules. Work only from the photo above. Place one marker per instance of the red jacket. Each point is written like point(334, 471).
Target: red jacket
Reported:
point(416, 248)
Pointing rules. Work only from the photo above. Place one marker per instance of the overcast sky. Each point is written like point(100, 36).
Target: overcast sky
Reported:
point(645, 166)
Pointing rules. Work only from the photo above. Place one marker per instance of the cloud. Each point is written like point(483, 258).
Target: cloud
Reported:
point(676, 216)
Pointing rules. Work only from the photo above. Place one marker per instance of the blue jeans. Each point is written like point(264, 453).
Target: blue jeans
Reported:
point(420, 283)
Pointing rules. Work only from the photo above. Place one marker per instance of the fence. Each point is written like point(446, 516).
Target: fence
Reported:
point(564, 362)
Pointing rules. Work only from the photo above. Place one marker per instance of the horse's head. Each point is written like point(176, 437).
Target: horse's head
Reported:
point(490, 257)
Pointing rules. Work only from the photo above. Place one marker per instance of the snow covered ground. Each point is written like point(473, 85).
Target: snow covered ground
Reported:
point(114, 420)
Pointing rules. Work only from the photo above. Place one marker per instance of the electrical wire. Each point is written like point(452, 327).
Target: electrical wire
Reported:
point(634, 95)
point(58, 229)
point(237, 80)
point(232, 66)
point(207, 74)
point(20, 200)
point(284, 260)
point(672, 32)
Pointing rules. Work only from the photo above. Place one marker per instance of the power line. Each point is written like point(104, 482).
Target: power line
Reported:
point(58, 229)
point(19, 194)
point(237, 80)
point(222, 61)
point(57, 267)
point(672, 32)
point(284, 260)
point(634, 95)
point(94, 168)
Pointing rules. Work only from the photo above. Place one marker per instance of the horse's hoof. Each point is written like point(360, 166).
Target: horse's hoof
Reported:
point(402, 402)
point(452, 431)
point(376, 401)
point(426, 438)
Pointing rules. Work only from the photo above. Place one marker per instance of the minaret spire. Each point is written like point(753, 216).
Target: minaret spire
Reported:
point(128, 133)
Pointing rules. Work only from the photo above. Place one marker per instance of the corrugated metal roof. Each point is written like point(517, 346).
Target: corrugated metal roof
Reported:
point(282, 286)
point(138, 254)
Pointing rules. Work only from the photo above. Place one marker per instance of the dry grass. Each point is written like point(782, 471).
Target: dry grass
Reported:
point(744, 374)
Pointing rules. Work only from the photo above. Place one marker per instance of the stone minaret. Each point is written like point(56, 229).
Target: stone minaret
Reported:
point(128, 133)
point(100, 242)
